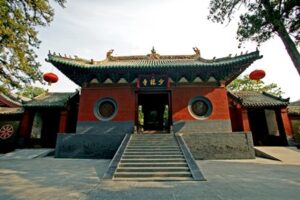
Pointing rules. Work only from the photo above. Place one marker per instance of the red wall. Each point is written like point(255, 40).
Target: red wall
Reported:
point(26, 124)
point(124, 96)
point(236, 119)
point(286, 122)
point(181, 96)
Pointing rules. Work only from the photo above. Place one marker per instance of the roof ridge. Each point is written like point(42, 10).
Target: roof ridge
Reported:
point(276, 97)
point(111, 58)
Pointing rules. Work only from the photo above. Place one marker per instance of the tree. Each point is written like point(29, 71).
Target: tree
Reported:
point(261, 20)
point(31, 91)
point(18, 40)
point(246, 84)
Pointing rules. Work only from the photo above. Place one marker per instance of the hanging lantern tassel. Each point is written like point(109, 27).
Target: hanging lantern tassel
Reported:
point(50, 78)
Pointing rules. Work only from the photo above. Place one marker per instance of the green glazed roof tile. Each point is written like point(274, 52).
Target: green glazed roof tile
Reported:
point(82, 70)
point(258, 100)
point(50, 100)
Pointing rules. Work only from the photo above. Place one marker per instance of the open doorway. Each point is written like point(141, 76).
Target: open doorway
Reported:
point(154, 112)
point(266, 126)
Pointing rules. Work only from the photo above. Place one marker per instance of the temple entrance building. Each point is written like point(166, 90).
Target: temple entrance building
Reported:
point(181, 94)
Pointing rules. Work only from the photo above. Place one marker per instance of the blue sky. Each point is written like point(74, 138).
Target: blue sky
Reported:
point(90, 28)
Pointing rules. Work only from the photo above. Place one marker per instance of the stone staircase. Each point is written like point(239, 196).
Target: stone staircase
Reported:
point(151, 157)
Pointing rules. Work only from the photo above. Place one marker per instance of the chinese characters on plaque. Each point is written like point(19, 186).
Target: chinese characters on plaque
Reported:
point(153, 81)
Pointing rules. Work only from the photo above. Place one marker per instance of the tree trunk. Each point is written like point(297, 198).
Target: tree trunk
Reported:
point(283, 34)
point(290, 47)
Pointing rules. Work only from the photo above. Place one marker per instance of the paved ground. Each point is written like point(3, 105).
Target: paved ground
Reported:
point(49, 178)
point(26, 153)
point(288, 155)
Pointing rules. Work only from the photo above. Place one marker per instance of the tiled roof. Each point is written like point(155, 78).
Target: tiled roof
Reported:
point(294, 108)
point(50, 100)
point(258, 100)
point(175, 66)
point(9, 100)
point(10, 111)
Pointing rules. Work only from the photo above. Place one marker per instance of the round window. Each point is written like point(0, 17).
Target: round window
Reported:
point(200, 107)
point(105, 109)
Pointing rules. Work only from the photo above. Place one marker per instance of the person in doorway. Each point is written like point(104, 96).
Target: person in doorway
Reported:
point(140, 119)
point(166, 117)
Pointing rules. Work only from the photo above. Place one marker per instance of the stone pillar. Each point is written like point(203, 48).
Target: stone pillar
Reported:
point(287, 125)
point(63, 120)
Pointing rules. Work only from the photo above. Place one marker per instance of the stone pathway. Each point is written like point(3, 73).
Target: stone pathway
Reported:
point(49, 178)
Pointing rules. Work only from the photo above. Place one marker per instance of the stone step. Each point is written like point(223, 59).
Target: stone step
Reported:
point(152, 160)
point(155, 179)
point(152, 156)
point(153, 169)
point(152, 174)
point(143, 141)
point(173, 164)
point(153, 139)
point(153, 135)
point(152, 153)
point(153, 142)
point(152, 146)
point(147, 148)
point(154, 150)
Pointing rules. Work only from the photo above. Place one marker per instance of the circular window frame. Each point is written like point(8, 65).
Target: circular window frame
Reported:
point(97, 108)
point(208, 104)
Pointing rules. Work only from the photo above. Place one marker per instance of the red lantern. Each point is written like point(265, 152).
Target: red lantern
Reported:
point(257, 74)
point(50, 77)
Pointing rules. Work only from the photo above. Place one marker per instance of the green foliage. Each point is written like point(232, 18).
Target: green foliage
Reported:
point(18, 40)
point(31, 91)
point(262, 19)
point(246, 84)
